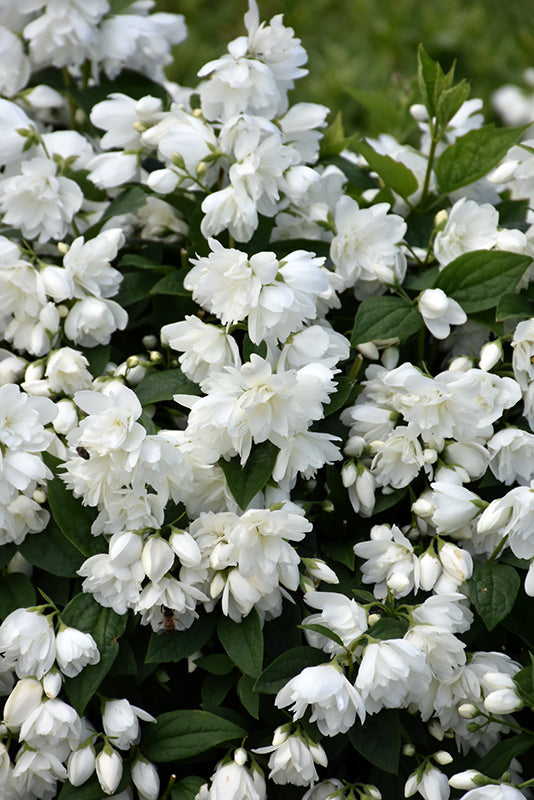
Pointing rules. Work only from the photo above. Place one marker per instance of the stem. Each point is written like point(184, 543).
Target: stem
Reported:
point(431, 155)
point(497, 550)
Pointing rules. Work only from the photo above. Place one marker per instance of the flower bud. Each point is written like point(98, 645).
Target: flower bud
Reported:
point(456, 562)
point(467, 779)
point(146, 779)
point(349, 473)
point(52, 683)
point(369, 350)
point(502, 701)
point(108, 769)
point(408, 750)
point(125, 548)
point(490, 354)
point(410, 787)
point(355, 446)
point(442, 757)
point(468, 711)
point(320, 571)
point(390, 357)
point(23, 700)
point(398, 583)
point(157, 558)
point(185, 547)
point(429, 571)
point(81, 765)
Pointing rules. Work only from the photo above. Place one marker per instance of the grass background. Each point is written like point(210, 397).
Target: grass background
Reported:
point(363, 53)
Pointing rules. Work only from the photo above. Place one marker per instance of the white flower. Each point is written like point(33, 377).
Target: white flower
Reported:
point(75, 650)
point(393, 673)
point(38, 202)
point(501, 792)
point(53, 726)
point(431, 785)
point(388, 552)
point(523, 345)
point(469, 227)
point(339, 614)
point(293, 758)
point(36, 773)
point(121, 722)
point(67, 372)
point(205, 348)
point(335, 703)
point(91, 321)
point(439, 312)
point(27, 640)
point(236, 781)
point(364, 238)
point(88, 264)
point(511, 452)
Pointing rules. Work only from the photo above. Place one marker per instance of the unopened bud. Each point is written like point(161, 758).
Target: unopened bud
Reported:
point(442, 757)
point(468, 711)
point(441, 218)
point(373, 619)
point(408, 750)
point(467, 779)
point(63, 248)
point(369, 350)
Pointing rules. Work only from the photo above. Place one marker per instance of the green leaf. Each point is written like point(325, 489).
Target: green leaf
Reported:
point(395, 175)
point(497, 760)
point(246, 481)
point(216, 663)
point(85, 614)
point(430, 78)
point(7, 551)
point(524, 680)
point(334, 140)
point(175, 646)
point(179, 735)
point(90, 191)
point(51, 551)
point(148, 424)
point(98, 357)
point(127, 201)
point(215, 688)
point(388, 628)
point(513, 306)
point(340, 397)
point(243, 641)
point(386, 317)
point(450, 102)
point(286, 666)
point(73, 518)
point(116, 6)
point(135, 286)
point(173, 283)
point(250, 700)
point(324, 631)
point(378, 740)
point(187, 788)
point(473, 155)
point(90, 790)
point(160, 386)
point(493, 590)
point(477, 280)
point(16, 591)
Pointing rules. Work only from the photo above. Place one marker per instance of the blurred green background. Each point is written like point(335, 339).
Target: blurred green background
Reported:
point(367, 46)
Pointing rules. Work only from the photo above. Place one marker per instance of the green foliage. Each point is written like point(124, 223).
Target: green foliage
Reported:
point(379, 740)
point(386, 317)
point(493, 590)
point(180, 735)
point(246, 481)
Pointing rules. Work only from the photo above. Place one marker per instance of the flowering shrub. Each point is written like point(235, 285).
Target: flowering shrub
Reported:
point(266, 427)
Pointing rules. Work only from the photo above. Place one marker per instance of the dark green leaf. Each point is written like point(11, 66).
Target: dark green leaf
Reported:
point(379, 740)
point(497, 760)
point(16, 591)
point(286, 666)
point(250, 700)
point(165, 647)
point(147, 423)
point(179, 735)
point(98, 357)
point(51, 551)
point(334, 139)
point(342, 394)
point(246, 481)
point(423, 280)
point(477, 280)
point(127, 201)
point(160, 386)
point(388, 628)
point(473, 155)
point(216, 663)
point(493, 589)
point(73, 518)
point(386, 317)
point(450, 101)
point(513, 306)
point(324, 631)
point(135, 286)
point(430, 79)
point(90, 191)
point(215, 688)
point(173, 283)
point(90, 790)
point(524, 680)
point(187, 788)
point(243, 641)
point(7, 551)
point(394, 174)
